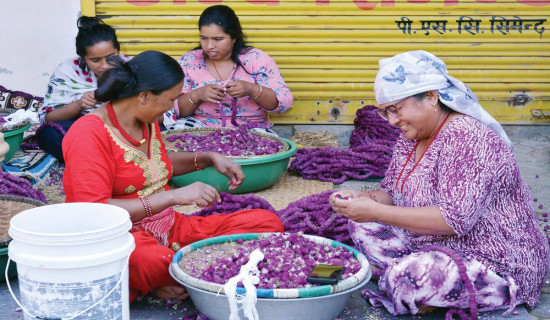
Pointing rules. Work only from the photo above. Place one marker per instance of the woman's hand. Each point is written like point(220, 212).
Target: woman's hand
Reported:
point(214, 93)
point(88, 100)
point(197, 193)
point(343, 194)
point(357, 207)
point(228, 168)
point(240, 88)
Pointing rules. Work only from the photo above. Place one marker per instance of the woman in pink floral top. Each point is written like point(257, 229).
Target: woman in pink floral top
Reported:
point(228, 83)
point(453, 224)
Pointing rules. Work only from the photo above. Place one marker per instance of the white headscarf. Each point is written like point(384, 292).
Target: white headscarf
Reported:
point(414, 72)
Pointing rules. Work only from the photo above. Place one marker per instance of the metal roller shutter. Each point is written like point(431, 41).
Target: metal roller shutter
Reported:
point(328, 50)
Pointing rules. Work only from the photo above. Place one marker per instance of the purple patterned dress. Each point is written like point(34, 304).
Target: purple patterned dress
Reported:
point(472, 175)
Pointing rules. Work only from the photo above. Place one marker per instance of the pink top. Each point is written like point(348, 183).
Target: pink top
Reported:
point(260, 69)
point(473, 176)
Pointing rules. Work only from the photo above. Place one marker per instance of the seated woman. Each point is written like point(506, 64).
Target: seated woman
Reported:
point(228, 83)
point(452, 224)
point(71, 88)
point(115, 155)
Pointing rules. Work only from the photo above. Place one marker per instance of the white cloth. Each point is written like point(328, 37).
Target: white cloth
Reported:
point(414, 72)
point(249, 275)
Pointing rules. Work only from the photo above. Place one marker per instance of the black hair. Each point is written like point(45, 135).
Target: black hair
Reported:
point(422, 95)
point(148, 71)
point(224, 17)
point(92, 30)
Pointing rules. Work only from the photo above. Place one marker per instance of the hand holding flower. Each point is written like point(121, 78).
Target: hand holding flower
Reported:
point(240, 88)
point(230, 169)
point(359, 209)
point(199, 194)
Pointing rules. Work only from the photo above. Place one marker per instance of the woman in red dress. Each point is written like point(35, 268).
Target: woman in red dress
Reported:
point(115, 155)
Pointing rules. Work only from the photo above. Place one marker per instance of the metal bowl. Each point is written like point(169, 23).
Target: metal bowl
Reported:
point(314, 303)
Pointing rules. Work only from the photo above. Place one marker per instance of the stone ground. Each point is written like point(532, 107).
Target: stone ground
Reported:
point(532, 149)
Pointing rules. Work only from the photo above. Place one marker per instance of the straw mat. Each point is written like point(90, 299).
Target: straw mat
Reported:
point(12, 205)
point(315, 139)
point(288, 189)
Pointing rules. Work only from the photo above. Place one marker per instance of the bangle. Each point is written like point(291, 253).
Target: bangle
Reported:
point(372, 196)
point(195, 161)
point(191, 100)
point(146, 205)
point(259, 93)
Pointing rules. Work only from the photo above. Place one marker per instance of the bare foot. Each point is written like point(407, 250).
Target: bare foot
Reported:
point(170, 293)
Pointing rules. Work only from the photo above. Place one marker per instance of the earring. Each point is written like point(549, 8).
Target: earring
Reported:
point(435, 107)
point(141, 99)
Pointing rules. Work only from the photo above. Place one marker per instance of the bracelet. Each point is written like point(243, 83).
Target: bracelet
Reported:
point(146, 205)
point(195, 161)
point(191, 100)
point(259, 93)
point(372, 196)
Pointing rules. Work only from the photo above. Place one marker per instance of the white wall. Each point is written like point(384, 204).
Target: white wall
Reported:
point(35, 36)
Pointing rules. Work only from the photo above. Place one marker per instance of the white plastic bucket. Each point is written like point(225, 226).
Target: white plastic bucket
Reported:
point(72, 258)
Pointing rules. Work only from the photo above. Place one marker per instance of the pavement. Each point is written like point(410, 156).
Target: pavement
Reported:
point(532, 150)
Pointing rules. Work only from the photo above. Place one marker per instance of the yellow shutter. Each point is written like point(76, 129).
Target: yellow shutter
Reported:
point(328, 50)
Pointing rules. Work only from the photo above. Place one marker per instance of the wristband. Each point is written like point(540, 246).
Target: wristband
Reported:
point(191, 100)
point(195, 161)
point(146, 205)
point(259, 93)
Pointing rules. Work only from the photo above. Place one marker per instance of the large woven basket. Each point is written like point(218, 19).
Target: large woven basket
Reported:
point(12, 205)
point(7, 111)
point(205, 131)
point(186, 279)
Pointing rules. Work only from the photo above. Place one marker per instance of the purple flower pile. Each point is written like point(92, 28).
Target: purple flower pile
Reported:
point(231, 203)
point(371, 147)
point(313, 215)
point(239, 142)
point(288, 260)
point(16, 186)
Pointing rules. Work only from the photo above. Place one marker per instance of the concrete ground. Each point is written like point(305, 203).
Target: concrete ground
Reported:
point(532, 149)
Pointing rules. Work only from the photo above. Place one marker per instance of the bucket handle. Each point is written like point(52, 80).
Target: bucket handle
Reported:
point(79, 313)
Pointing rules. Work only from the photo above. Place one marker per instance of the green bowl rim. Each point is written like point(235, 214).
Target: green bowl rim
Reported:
point(11, 133)
point(271, 158)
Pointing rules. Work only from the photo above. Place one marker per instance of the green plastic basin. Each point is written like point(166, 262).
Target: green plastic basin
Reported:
point(261, 173)
point(12, 270)
point(14, 138)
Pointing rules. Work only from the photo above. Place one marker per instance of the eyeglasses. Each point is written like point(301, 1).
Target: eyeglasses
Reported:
point(391, 110)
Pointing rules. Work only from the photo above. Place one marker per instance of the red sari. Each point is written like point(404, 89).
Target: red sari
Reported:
point(100, 166)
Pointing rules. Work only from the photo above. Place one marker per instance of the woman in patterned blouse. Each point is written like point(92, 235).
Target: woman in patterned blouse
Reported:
point(452, 224)
point(228, 83)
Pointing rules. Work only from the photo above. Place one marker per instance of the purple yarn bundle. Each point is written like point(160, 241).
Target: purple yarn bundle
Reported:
point(371, 147)
point(16, 186)
point(231, 203)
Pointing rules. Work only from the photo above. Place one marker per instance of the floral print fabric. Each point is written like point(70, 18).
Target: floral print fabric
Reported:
point(260, 69)
point(472, 175)
point(69, 82)
point(411, 280)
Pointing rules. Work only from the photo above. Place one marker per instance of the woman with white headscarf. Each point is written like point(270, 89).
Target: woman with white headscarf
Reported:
point(452, 224)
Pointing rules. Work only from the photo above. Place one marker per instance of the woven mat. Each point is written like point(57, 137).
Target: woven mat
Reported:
point(315, 139)
point(12, 205)
point(289, 189)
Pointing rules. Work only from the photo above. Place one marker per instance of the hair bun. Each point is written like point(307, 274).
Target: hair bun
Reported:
point(88, 23)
